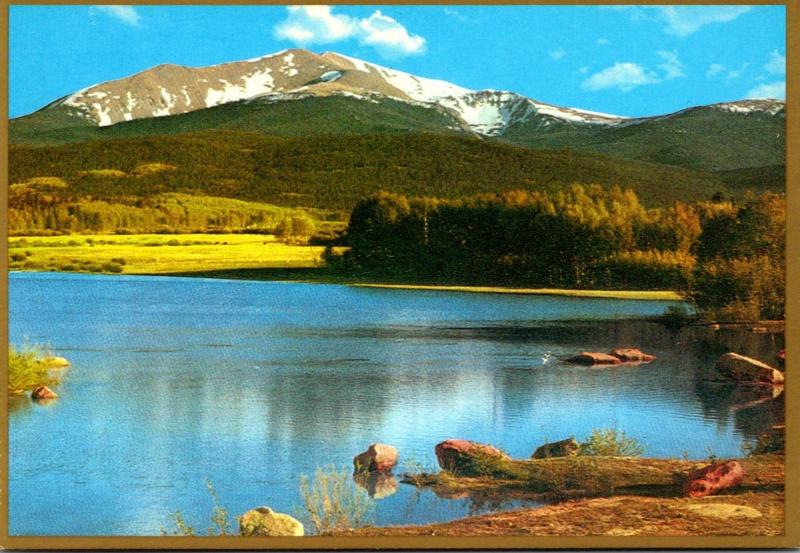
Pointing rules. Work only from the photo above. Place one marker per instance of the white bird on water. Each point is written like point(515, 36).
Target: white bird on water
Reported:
point(546, 357)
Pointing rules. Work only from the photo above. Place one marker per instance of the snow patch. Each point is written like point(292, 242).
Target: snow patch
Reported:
point(103, 115)
point(330, 76)
point(257, 83)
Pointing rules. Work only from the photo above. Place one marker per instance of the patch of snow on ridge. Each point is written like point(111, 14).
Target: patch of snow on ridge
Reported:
point(103, 115)
point(288, 67)
point(771, 107)
point(420, 88)
point(257, 83)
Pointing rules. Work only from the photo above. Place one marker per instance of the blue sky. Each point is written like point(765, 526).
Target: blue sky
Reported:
point(626, 60)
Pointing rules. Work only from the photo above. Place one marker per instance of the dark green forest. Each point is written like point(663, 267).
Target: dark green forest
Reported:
point(727, 257)
point(333, 173)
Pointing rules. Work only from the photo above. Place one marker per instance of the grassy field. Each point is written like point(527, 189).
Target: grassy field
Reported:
point(245, 256)
point(157, 253)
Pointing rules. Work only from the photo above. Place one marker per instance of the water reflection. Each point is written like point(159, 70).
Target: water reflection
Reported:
point(378, 484)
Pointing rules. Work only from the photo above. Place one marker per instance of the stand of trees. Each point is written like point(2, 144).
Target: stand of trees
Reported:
point(582, 237)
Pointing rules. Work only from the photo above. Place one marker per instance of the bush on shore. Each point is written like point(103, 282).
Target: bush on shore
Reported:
point(26, 369)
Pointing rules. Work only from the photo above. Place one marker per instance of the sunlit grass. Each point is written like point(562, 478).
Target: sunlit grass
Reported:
point(664, 295)
point(158, 253)
point(26, 369)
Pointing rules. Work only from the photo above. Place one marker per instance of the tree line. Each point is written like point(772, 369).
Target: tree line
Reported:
point(726, 257)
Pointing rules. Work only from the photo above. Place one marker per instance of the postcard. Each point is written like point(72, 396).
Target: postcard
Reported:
point(398, 276)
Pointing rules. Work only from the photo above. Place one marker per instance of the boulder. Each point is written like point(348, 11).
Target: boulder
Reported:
point(627, 355)
point(744, 369)
point(713, 478)
point(563, 448)
point(54, 362)
point(377, 458)
point(593, 358)
point(465, 457)
point(263, 521)
point(43, 392)
point(377, 484)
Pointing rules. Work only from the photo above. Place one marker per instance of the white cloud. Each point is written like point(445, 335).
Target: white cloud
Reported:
point(623, 76)
point(314, 25)
point(388, 36)
point(307, 25)
point(455, 14)
point(558, 54)
point(603, 41)
point(736, 73)
point(685, 20)
point(776, 64)
point(126, 14)
point(672, 66)
point(775, 90)
point(583, 70)
point(714, 69)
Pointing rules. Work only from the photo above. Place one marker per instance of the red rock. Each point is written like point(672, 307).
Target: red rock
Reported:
point(43, 392)
point(593, 358)
point(744, 369)
point(713, 478)
point(631, 354)
point(377, 458)
point(465, 457)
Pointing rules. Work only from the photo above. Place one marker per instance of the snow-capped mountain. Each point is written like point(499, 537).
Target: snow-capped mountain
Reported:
point(290, 74)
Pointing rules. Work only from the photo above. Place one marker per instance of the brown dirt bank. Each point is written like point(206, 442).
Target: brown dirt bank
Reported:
point(754, 508)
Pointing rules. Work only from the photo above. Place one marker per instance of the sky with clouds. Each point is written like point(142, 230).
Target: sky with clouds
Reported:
point(626, 60)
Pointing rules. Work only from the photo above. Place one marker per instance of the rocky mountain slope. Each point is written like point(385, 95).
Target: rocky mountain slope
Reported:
point(362, 97)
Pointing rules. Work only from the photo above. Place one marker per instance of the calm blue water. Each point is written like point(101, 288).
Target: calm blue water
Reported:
point(250, 384)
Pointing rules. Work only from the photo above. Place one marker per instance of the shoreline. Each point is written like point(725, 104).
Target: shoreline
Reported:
point(320, 276)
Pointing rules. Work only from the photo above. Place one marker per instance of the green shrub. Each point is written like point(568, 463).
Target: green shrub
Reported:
point(609, 442)
point(26, 369)
point(111, 267)
point(332, 502)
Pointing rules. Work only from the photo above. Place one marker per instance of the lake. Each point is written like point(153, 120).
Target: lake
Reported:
point(176, 381)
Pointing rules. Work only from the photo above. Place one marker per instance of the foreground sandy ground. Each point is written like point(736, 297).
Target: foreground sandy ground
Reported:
point(755, 508)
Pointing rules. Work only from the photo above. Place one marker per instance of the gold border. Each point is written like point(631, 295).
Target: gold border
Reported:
point(792, 505)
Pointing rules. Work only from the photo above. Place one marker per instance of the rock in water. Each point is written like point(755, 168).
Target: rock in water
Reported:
point(593, 358)
point(563, 448)
point(744, 369)
point(263, 521)
point(713, 478)
point(465, 457)
point(627, 355)
point(43, 392)
point(377, 458)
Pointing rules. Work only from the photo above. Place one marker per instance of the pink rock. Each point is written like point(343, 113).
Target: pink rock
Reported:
point(43, 392)
point(593, 358)
point(631, 354)
point(377, 458)
point(464, 456)
point(713, 478)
